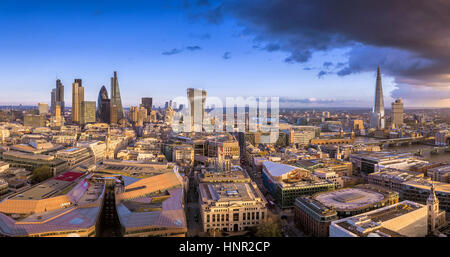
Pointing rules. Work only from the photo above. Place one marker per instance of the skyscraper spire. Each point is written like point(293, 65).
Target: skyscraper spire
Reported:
point(377, 119)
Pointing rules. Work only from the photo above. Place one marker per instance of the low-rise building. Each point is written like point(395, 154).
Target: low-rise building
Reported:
point(231, 206)
point(285, 183)
point(404, 219)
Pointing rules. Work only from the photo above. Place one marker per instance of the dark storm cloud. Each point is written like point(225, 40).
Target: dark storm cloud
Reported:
point(409, 39)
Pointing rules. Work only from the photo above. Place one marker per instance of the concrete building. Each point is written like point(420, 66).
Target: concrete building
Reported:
point(43, 108)
point(285, 183)
point(368, 162)
point(404, 219)
point(440, 174)
point(442, 137)
point(231, 206)
point(88, 112)
point(313, 217)
point(34, 121)
point(197, 98)
point(76, 156)
point(397, 113)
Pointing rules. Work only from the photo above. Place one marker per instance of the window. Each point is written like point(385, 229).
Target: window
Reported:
point(214, 217)
point(253, 215)
point(236, 217)
point(243, 216)
point(207, 218)
point(227, 216)
point(257, 215)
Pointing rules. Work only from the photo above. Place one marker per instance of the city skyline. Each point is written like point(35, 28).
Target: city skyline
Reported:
point(163, 47)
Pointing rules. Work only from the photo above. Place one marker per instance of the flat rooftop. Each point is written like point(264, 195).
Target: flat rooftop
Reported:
point(349, 198)
point(49, 188)
point(371, 223)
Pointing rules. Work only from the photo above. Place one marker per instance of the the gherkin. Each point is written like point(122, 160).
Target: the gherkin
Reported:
point(103, 105)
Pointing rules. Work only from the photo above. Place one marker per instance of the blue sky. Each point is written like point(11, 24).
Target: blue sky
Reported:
point(45, 40)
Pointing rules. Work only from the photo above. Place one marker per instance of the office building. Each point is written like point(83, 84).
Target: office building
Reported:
point(115, 98)
point(103, 106)
point(368, 162)
point(87, 112)
point(231, 206)
point(57, 97)
point(147, 103)
point(404, 219)
point(377, 119)
point(285, 183)
point(114, 114)
point(34, 121)
point(397, 113)
point(312, 217)
point(77, 98)
point(197, 98)
point(43, 108)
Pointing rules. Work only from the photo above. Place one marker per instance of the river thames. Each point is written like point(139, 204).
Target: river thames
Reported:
point(439, 157)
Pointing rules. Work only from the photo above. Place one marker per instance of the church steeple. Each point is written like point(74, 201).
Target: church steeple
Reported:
point(433, 211)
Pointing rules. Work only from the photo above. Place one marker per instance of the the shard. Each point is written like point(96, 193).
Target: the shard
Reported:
point(377, 119)
point(115, 97)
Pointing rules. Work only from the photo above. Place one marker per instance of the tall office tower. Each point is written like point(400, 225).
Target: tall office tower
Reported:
point(114, 116)
point(53, 101)
point(43, 108)
point(147, 102)
point(197, 99)
point(87, 112)
point(57, 119)
point(397, 113)
point(142, 116)
point(166, 105)
point(115, 96)
point(77, 98)
point(59, 95)
point(377, 117)
point(103, 105)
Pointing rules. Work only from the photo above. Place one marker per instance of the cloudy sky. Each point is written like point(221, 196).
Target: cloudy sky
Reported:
point(307, 52)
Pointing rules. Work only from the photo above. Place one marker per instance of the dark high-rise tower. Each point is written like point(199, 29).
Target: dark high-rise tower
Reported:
point(57, 97)
point(147, 102)
point(103, 105)
point(115, 97)
point(377, 119)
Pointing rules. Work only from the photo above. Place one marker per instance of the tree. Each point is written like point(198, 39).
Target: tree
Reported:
point(271, 228)
point(41, 173)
